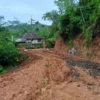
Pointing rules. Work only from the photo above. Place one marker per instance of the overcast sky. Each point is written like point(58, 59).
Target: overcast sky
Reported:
point(23, 9)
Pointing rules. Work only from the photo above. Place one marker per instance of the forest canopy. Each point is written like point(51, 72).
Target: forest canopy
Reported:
point(75, 17)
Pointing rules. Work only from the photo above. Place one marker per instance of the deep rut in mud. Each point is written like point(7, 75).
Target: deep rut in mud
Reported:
point(94, 68)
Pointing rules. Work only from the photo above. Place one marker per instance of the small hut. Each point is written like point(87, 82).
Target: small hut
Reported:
point(31, 40)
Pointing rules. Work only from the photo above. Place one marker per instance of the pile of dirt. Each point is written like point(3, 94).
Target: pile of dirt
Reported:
point(27, 82)
point(45, 76)
point(70, 91)
point(83, 87)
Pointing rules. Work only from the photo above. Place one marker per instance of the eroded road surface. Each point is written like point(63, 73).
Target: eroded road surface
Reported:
point(45, 76)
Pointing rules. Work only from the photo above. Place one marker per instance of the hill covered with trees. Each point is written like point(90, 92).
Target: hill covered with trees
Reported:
point(77, 19)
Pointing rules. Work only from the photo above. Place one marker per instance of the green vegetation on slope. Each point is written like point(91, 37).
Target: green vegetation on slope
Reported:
point(76, 17)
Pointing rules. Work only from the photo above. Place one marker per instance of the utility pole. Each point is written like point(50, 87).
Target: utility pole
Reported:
point(31, 24)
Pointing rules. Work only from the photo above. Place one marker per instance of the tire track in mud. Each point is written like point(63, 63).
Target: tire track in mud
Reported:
point(93, 67)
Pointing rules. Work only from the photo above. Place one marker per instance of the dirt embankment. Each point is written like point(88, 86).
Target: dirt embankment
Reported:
point(80, 46)
point(45, 76)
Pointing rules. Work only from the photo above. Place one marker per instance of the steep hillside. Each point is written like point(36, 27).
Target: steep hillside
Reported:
point(79, 44)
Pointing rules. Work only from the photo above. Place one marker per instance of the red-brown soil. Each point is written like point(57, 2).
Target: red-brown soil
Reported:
point(80, 46)
point(45, 76)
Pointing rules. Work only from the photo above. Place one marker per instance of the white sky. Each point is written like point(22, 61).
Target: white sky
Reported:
point(23, 9)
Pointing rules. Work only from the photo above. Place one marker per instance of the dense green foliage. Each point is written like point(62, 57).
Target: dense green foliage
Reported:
point(51, 32)
point(9, 55)
point(75, 17)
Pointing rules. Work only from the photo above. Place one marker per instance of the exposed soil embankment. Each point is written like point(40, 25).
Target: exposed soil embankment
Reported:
point(80, 45)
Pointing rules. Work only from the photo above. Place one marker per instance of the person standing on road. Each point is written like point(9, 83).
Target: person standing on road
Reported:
point(73, 51)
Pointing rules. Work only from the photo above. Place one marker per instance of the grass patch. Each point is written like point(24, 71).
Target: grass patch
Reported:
point(3, 70)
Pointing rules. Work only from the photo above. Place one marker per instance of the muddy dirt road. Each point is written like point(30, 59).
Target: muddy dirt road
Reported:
point(45, 76)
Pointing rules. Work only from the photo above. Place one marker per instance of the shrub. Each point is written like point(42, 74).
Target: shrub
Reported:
point(1, 68)
point(50, 44)
point(8, 53)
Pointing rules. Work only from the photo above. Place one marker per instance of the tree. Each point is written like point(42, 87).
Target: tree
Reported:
point(54, 17)
point(75, 16)
point(8, 53)
point(1, 20)
point(61, 6)
point(51, 16)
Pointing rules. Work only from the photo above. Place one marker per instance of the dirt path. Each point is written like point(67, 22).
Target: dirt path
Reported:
point(44, 76)
point(26, 82)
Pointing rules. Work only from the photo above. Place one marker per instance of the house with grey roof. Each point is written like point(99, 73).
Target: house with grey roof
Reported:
point(30, 39)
